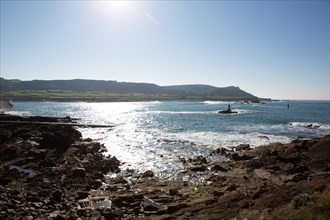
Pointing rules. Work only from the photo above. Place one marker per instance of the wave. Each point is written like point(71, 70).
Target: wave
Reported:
point(19, 113)
point(311, 125)
point(213, 102)
point(183, 112)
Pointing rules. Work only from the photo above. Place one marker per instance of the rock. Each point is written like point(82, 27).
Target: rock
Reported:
point(218, 193)
point(221, 151)
point(122, 200)
point(218, 167)
point(231, 187)
point(176, 207)
point(148, 173)
point(60, 139)
point(174, 192)
point(4, 181)
point(242, 147)
point(38, 153)
point(197, 168)
point(78, 172)
point(107, 165)
point(296, 177)
point(82, 195)
point(57, 196)
point(263, 137)
point(230, 197)
point(149, 208)
point(236, 156)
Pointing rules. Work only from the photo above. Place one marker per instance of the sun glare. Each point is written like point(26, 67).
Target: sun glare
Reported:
point(117, 9)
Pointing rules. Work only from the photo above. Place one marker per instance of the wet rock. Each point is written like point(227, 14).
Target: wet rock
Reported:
point(107, 165)
point(264, 137)
point(197, 168)
point(60, 140)
point(148, 173)
point(222, 151)
point(243, 147)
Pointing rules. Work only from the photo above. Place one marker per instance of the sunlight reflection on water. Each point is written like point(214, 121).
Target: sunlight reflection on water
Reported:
point(153, 135)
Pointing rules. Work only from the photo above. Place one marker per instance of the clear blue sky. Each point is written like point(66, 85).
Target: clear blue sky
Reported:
point(275, 49)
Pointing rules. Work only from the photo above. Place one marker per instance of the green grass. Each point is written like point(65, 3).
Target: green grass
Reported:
point(318, 209)
point(96, 96)
point(63, 95)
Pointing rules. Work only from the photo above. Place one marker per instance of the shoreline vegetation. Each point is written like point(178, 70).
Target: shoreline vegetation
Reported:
point(113, 91)
point(71, 96)
point(50, 171)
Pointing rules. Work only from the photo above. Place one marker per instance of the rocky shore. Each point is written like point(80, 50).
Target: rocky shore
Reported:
point(52, 172)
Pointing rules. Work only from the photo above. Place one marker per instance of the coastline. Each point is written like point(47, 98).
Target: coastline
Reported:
point(50, 171)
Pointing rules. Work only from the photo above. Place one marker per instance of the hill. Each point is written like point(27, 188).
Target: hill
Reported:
point(102, 90)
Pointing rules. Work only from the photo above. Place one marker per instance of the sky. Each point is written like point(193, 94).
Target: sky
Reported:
point(272, 49)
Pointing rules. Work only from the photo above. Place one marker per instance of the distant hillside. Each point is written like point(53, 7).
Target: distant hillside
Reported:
point(102, 90)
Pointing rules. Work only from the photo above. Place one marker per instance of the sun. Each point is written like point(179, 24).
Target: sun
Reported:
point(118, 8)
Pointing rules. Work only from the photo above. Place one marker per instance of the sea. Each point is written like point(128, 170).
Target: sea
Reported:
point(158, 135)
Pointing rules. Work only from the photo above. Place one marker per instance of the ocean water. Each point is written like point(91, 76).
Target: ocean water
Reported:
point(155, 135)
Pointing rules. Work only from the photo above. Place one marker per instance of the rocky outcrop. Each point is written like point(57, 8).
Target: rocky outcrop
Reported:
point(50, 172)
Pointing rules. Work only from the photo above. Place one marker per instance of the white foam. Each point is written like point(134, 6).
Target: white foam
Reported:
point(183, 112)
point(19, 113)
point(214, 102)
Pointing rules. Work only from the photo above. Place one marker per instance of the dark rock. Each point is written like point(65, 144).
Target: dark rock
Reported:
point(264, 137)
point(57, 195)
point(242, 147)
point(218, 167)
point(297, 169)
point(197, 168)
point(33, 197)
point(174, 192)
point(148, 173)
point(218, 193)
point(176, 207)
point(107, 165)
point(97, 184)
point(236, 156)
point(150, 208)
point(78, 172)
point(38, 153)
point(232, 187)
point(60, 139)
point(82, 195)
point(296, 177)
point(5, 134)
point(122, 200)
point(4, 181)
point(221, 151)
